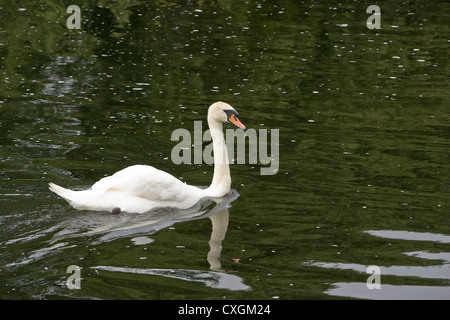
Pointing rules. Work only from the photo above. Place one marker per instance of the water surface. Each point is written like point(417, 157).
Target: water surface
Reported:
point(363, 119)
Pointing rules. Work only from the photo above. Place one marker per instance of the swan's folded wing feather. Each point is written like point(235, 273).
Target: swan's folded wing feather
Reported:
point(143, 181)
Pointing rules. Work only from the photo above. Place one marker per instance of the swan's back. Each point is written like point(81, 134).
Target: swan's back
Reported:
point(149, 183)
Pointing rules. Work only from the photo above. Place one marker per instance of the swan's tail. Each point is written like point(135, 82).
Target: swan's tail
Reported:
point(66, 194)
point(83, 199)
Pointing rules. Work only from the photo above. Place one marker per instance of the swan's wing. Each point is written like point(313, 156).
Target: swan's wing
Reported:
point(146, 182)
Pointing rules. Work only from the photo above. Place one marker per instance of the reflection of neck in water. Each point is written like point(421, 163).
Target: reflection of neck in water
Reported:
point(219, 229)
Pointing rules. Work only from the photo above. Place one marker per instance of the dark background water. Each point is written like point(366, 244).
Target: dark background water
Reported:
point(363, 117)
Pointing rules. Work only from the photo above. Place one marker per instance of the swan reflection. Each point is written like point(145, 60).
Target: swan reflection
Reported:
point(114, 226)
point(139, 226)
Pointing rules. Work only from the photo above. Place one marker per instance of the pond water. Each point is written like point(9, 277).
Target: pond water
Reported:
point(363, 178)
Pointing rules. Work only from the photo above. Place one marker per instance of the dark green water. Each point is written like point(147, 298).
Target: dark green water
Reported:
point(364, 138)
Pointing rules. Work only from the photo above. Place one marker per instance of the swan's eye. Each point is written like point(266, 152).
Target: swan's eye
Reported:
point(231, 114)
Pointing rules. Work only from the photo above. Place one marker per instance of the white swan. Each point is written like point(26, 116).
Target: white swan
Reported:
point(140, 188)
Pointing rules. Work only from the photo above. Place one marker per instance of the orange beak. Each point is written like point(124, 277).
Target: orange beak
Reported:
point(234, 120)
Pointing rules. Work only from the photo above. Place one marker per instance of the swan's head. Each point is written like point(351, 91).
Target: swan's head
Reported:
point(223, 112)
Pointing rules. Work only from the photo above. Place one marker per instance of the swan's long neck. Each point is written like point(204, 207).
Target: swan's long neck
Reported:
point(221, 182)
